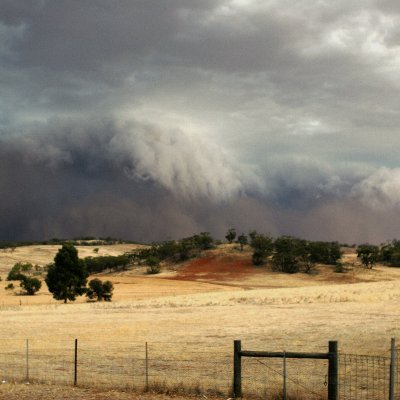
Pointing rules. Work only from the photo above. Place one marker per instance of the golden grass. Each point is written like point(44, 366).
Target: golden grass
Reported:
point(44, 254)
point(185, 320)
point(52, 392)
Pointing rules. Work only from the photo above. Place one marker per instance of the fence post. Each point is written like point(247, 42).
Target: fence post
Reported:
point(147, 368)
point(237, 369)
point(333, 368)
point(284, 376)
point(392, 368)
point(76, 363)
point(27, 360)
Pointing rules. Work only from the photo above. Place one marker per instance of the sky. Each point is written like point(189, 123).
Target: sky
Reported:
point(153, 120)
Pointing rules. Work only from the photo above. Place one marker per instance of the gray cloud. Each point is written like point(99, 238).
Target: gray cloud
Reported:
point(198, 115)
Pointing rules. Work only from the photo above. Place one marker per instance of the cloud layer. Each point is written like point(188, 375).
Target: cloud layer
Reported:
point(159, 120)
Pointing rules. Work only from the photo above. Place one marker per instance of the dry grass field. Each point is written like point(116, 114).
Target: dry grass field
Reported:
point(51, 392)
point(205, 304)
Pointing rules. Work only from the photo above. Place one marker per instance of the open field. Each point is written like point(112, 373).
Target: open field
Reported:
point(205, 299)
point(205, 304)
point(51, 392)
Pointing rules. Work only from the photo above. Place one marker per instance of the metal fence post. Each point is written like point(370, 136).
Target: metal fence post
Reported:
point(333, 369)
point(27, 360)
point(237, 368)
point(147, 368)
point(76, 363)
point(392, 368)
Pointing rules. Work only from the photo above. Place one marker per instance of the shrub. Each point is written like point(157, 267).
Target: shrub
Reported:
point(257, 258)
point(324, 252)
point(30, 285)
point(16, 274)
point(230, 235)
point(242, 240)
point(100, 290)
point(262, 245)
point(368, 254)
point(288, 254)
point(10, 286)
point(153, 264)
point(340, 268)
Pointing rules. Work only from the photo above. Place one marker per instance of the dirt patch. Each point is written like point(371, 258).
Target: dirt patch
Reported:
point(218, 269)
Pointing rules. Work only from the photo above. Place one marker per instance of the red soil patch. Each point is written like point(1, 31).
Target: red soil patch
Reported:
point(213, 268)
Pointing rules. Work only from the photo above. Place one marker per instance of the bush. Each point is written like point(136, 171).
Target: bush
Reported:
point(324, 252)
point(262, 245)
point(257, 258)
point(287, 254)
point(368, 254)
point(153, 265)
point(10, 286)
point(30, 285)
point(242, 240)
point(340, 268)
point(230, 235)
point(16, 274)
point(100, 290)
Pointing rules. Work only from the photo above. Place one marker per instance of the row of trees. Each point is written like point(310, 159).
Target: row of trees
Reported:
point(173, 250)
point(388, 253)
point(24, 273)
point(290, 254)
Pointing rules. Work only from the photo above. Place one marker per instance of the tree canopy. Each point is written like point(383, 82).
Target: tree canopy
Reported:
point(368, 254)
point(67, 277)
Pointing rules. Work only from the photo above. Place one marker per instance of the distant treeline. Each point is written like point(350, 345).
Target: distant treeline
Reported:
point(81, 241)
point(284, 253)
point(115, 263)
point(171, 250)
point(178, 250)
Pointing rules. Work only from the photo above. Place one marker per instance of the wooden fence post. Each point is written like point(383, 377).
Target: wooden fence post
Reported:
point(392, 368)
point(333, 369)
point(76, 363)
point(237, 369)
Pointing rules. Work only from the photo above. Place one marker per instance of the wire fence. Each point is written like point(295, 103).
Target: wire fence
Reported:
point(191, 367)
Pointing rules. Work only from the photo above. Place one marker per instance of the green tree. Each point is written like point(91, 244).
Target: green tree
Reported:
point(16, 274)
point(325, 252)
point(242, 239)
point(289, 252)
point(263, 246)
point(390, 253)
point(67, 277)
point(368, 254)
point(230, 235)
point(153, 265)
point(100, 290)
point(30, 285)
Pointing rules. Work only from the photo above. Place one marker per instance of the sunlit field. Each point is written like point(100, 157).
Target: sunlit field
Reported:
point(206, 304)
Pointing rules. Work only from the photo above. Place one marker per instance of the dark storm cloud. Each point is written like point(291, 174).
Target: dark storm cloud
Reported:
point(154, 119)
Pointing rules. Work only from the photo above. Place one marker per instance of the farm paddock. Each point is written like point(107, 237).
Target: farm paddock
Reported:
point(185, 312)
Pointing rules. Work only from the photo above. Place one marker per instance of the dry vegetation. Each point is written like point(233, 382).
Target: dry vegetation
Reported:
point(214, 300)
point(50, 392)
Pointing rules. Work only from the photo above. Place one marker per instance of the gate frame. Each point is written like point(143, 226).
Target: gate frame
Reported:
point(331, 356)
